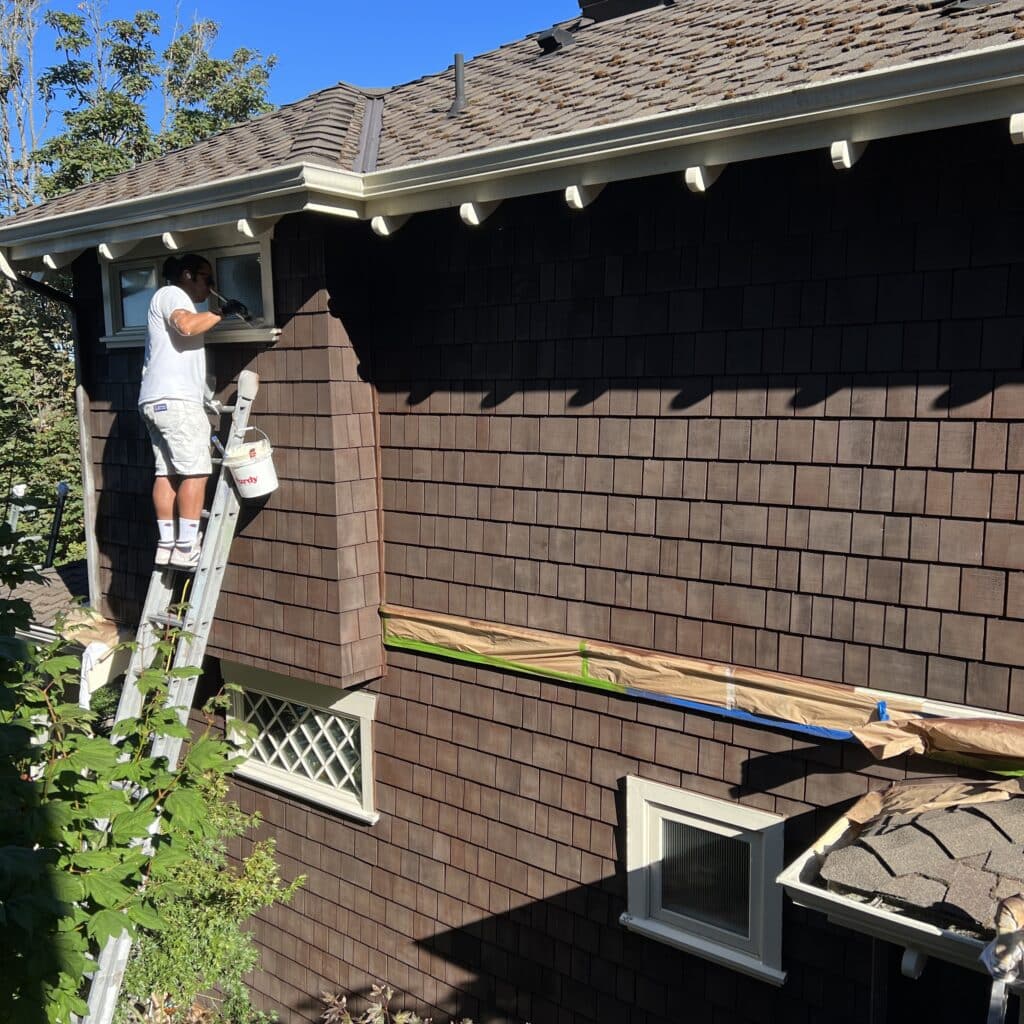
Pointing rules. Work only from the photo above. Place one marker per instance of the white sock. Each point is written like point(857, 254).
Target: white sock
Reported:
point(188, 532)
point(166, 529)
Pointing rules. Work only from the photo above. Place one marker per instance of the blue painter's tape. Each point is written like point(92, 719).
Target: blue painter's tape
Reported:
point(743, 716)
point(883, 711)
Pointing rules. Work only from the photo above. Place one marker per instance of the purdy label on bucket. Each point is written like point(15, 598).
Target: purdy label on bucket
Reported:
point(252, 468)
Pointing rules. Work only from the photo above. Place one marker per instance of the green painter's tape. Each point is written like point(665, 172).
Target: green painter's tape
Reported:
point(420, 647)
point(585, 662)
point(992, 765)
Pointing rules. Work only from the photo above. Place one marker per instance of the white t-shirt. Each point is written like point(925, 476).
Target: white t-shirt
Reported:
point(175, 364)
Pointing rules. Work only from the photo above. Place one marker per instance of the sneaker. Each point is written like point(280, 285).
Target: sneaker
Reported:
point(186, 559)
point(163, 555)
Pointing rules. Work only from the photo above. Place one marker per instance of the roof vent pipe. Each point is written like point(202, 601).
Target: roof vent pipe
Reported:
point(460, 86)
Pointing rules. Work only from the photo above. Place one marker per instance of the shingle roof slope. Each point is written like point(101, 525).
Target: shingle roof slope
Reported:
point(696, 53)
point(692, 54)
point(55, 595)
point(951, 866)
point(322, 128)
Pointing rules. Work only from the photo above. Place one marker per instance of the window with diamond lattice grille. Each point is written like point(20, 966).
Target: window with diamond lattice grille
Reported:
point(296, 738)
point(306, 740)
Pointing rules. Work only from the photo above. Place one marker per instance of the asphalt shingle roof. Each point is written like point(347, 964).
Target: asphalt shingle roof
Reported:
point(322, 128)
point(693, 54)
point(951, 866)
point(57, 592)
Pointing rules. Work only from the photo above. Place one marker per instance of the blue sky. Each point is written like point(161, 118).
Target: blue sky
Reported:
point(319, 42)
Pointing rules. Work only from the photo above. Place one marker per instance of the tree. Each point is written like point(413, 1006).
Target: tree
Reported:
point(109, 72)
point(38, 426)
point(120, 99)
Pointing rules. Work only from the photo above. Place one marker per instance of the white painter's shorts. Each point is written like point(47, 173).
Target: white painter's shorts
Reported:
point(180, 433)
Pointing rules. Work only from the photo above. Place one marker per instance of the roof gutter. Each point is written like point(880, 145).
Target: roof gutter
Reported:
point(950, 91)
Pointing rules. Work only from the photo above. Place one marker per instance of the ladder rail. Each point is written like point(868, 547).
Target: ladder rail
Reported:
point(105, 987)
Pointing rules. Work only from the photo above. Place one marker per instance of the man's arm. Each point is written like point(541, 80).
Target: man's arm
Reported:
point(189, 324)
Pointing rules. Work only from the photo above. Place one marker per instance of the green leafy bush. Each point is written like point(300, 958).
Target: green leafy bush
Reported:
point(77, 807)
point(204, 944)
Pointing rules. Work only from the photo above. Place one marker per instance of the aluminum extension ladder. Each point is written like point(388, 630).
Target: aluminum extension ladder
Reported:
point(189, 650)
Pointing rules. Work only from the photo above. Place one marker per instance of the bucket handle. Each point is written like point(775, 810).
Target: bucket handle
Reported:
point(246, 431)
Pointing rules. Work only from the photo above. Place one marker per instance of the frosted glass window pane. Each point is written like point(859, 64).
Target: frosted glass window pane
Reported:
point(137, 287)
point(705, 876)
point(314, 744)
point(238, 277)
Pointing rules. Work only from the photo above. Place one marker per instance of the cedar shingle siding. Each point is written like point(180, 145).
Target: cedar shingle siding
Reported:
point(774, 426)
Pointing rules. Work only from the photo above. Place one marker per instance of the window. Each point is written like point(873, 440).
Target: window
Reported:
point(241, 272)
point(309, 740)
point(702, 877)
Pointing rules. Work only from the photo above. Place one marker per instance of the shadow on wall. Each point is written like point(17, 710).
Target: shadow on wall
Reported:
point(564, 956)
point(819, 289)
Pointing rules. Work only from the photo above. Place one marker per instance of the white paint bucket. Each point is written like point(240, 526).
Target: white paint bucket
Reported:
point(252, 467)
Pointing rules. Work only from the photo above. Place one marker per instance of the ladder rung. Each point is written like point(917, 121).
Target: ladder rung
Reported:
point(167, 620)
point(227, 408)
point(205, 514)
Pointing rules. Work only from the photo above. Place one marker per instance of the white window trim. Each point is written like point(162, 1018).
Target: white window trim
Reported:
point(647, 804)
point(352, 704)
point(118, 336)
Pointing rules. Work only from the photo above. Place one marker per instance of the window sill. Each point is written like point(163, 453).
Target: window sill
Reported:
point(733, 958)
point(232, 336)
point(293, 786)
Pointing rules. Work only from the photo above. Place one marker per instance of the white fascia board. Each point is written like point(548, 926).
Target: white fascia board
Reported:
point(266, 194)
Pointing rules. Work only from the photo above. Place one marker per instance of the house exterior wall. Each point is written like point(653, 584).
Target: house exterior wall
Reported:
point(776, 426)
point(492, 884)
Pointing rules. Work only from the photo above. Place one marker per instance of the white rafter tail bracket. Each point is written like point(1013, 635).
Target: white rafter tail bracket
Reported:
point(579, 197)
point(844, 153)
point(385, 226)
point(474, 214)
point(57, 260)
point(701, 177)
point(6, 267)
point(1017, 129)
point(255, 227)
point(111, 251)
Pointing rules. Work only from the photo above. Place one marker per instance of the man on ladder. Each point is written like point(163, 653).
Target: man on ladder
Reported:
point(172, 400)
